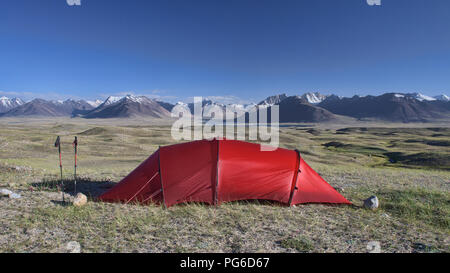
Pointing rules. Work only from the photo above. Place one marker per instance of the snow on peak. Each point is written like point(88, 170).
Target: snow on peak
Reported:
point(138, 99)
point(127, 98)
point(314, 97)
point(8, 103)
point(442, 97)
point(94, 103)
point(5, 101)
point(269, 101)
point(421, 97)
point(112, 100)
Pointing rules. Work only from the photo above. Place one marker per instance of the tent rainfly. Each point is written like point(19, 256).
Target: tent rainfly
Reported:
point(216, 171)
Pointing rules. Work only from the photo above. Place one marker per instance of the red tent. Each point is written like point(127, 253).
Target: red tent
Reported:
point(216, 171)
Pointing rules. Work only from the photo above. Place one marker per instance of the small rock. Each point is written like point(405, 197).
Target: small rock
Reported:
point(80, 200)
point(10, 194)
point(5, 192)
point(72, 246)
point(371, 202)
point(22, 168)
point(15, 196)
point(374, 247)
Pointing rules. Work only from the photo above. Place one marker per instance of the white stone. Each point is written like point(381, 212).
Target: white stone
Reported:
point(80, 200)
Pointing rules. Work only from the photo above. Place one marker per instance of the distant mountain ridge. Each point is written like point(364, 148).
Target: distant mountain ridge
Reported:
point(299, 109)
point(128, 106)
point(308, 107)
point(442, 97)
point(41, 107)
point(396, 107)
point(8, 104)
point(272, 100)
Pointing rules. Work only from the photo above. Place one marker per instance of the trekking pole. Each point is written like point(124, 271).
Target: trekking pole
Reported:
point(75, 144)
point(58, 144)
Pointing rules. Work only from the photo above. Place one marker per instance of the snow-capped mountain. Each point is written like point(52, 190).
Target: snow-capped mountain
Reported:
point(128, 106)
point(112, 99)
point(94, 103)
point(308, 107)
point(269, 101)
point(442, 97)
point(40, 107)
point(420, 97)
point(314, 97)
point(7, 104)
point(396, 107)
point(310, 97)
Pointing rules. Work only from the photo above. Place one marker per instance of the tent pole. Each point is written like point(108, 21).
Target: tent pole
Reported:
point(294, 181)
point(58, 145)
point(75, 145)
point(160, 175)
point(60, 169)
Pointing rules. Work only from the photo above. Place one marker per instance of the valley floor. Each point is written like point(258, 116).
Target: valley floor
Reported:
point(406, 166)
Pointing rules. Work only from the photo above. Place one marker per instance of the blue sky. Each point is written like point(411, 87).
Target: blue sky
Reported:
point(241, 50)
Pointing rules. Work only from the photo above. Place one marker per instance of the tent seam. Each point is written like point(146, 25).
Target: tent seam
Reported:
point(161, 177)
point(294, 181)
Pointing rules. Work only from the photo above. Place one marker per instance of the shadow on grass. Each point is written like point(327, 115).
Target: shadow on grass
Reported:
point(61, 203)
point(92, 188)
point(264, 202)
point(424, 160)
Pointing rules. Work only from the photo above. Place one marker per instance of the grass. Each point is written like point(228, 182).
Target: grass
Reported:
point(413, 192)
point(418, 205)
point(299, 244)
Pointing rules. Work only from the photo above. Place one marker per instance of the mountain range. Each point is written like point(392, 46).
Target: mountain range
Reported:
point(393, 107)
point(41, 107)
point(7, 103)
point(308, 107)
point(128, 106)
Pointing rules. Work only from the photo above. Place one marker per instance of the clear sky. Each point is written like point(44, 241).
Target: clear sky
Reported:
point(241, 50)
